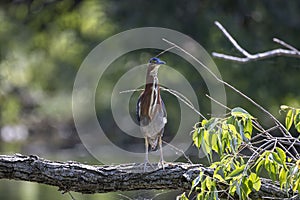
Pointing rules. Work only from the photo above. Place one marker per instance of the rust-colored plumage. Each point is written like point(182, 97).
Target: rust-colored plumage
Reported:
point(151, 112)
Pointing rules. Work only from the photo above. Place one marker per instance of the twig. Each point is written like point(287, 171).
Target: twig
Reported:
point(285, 150)
point(291, 51)
point(132, 90)
point(177, 94)
point(264, 132)
point(184, 99)
point(161, 53)
point(181, 151)
point(122, 195)
point(217, 102)
point(72, 197)
point(256, 153)
point(284, 44)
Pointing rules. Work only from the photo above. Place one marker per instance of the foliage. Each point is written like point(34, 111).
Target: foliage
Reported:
point(292, 117)
point(235, 173)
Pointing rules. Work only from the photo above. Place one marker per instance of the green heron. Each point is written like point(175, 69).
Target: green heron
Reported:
point(151, 111)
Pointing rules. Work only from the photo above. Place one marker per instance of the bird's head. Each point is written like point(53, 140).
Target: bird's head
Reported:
point(154, 64)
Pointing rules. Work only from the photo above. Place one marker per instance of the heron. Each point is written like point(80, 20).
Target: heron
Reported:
point(151, 111)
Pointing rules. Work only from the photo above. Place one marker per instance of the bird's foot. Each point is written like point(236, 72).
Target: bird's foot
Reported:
point(146, 162)
point(161, 164)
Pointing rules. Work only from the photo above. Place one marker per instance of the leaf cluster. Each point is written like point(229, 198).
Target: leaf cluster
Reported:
point(236, 174)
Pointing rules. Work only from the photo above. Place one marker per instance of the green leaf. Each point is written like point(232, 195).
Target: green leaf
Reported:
point(240, 112)
point(200, 196)
point(182, 197)
point(226, 138)
point(196, 181)
point(198, 137)
point(235, 172)
point(203, 185)
point(214, 143)
point(255, 180)
point(219, 177)
point(248, 127)
point(220, 144)
point(238, 189)
point(246, 190)
point(277, 158)
point(219, 172)
point(282, 177)
point(241, 130)
point(270, 166)
point(232, 187)
point(259, 165)
point(297, 126)
point(206, 145)
point(272, 171)
point(230, 120)
point(209, 183)
point(211, 125)
point(204, 121)
point(296, 185)
point(289, 119)
point(282, 156)
point(297, 116)
point(232, 129)
point(297, 120)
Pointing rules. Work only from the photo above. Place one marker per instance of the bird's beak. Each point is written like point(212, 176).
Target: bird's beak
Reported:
point(161, 62)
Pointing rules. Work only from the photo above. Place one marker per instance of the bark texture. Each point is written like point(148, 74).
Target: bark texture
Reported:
point(78, 177)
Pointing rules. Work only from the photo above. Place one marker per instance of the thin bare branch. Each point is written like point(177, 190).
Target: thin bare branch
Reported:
point(179, 150)
point(230, 38)
point(131, 90)
point(184, 99)
point(177, 94)
point(285, 44)
point(217, 102)
point(161, 53)
point(291, 51)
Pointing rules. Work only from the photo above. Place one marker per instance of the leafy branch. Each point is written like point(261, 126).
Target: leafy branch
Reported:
point(243, 148)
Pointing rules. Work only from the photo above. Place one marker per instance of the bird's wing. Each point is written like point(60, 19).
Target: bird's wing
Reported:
point(164, 111)
point(138, 109)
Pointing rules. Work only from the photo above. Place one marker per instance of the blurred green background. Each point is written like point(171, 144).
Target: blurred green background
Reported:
point(43, 43)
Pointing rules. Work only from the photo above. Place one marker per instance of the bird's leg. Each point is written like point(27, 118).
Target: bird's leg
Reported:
point(146, 155)
point(161, 153)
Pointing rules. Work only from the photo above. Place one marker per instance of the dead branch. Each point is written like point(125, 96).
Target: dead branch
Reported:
point(290, 52)
point(78, 177)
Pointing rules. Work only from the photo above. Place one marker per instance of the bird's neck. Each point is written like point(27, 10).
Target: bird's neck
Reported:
point(151, 80)
point(152, 92)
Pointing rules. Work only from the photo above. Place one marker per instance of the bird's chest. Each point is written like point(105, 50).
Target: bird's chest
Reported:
point(155, 123)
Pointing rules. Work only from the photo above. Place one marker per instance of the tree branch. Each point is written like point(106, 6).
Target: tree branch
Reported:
point(74, 176)
point(291, 51)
